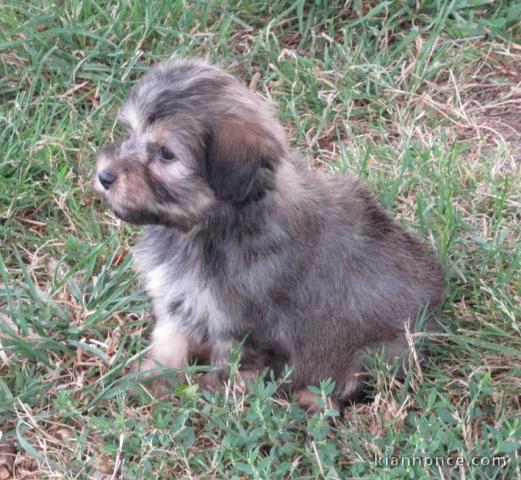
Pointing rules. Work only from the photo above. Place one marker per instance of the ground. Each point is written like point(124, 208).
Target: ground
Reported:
point(422, 100)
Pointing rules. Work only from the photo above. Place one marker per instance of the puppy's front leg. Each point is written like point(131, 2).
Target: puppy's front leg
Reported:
point(169, 347)
point(220, 357)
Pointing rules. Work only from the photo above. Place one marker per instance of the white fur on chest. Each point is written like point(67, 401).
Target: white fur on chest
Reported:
point(185, 300)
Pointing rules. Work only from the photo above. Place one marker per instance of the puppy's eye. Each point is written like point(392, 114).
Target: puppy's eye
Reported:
point(165, 154)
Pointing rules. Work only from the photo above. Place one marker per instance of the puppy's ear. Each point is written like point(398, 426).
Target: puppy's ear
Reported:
point(238, 148)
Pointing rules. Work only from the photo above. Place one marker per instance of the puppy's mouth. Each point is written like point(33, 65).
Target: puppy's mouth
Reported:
point(127, 212)
point(135, 216)
point(139, 216)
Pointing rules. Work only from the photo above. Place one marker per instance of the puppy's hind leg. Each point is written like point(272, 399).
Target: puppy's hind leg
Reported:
point(403, 350)
point(351, 384)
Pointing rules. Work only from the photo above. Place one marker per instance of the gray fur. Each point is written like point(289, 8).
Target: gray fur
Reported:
point(242, 241)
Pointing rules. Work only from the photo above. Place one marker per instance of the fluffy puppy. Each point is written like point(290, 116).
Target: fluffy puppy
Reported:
point(243, 243)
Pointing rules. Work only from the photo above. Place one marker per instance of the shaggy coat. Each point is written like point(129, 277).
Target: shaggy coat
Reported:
point(242, 242)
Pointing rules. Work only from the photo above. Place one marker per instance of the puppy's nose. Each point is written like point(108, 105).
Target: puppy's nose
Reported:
point(106, 178)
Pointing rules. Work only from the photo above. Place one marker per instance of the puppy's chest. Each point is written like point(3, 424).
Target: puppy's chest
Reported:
point(184, 298)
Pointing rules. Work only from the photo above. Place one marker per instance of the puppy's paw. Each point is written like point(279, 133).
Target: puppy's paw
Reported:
point(309, 401)
point(210, 381)
point(214, 381)
point(147, 373)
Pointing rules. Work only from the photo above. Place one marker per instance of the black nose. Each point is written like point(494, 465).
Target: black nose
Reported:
point(106, 178)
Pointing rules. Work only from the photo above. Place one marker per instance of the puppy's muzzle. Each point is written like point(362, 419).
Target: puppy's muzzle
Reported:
point(106, 178)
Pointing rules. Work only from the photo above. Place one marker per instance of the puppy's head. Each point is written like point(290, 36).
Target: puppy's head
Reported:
point(197, 138)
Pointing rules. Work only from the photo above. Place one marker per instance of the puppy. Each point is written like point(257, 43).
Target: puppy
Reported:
point(243, 243)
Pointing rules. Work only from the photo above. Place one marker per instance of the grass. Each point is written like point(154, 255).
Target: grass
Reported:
point(420, 99)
